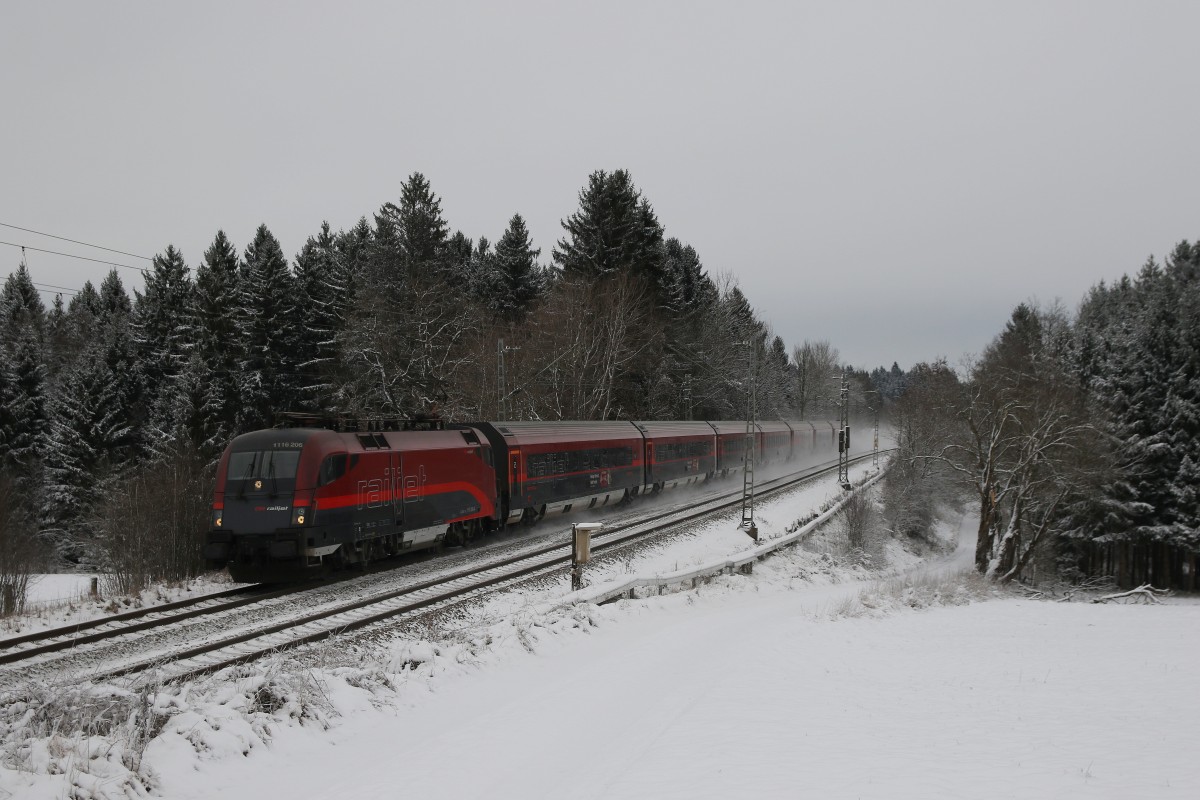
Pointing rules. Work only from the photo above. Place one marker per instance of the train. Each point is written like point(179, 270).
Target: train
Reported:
point(314, 495)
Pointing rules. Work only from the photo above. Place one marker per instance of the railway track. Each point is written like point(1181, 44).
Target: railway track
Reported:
point(257, 639)
point(13, 649)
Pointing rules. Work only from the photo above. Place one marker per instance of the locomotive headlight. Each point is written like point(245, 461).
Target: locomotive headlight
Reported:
point(299, 515)
point(216, 517)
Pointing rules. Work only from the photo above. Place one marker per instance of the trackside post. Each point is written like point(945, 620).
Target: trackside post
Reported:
point(581, 550)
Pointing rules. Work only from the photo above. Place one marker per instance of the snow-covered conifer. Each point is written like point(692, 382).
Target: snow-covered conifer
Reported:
point(21, 307)
point(268, 375)
point(113, 299)
point(86, 429)
point(519, 280)
point(28, 408)
point(164, 328)
point(614, 230)
point(219, 338)
point(322, 281)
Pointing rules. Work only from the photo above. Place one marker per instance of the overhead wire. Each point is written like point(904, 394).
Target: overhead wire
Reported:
point(50, 287)
point(74, 241)
point(71, 255)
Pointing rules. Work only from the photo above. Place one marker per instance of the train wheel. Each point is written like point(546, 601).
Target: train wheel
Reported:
point(337, 559)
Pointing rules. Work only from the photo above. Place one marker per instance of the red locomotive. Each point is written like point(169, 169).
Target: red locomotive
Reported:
point(295, 501)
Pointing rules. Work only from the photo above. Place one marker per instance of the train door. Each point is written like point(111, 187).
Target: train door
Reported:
point(650, 463)
point(514, 474)
point(395, 484)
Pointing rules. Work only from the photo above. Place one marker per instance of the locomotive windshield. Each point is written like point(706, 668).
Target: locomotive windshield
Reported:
point(250, 464)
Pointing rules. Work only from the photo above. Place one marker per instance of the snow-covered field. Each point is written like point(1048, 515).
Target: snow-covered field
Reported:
point(55, 588)
point(813, 677)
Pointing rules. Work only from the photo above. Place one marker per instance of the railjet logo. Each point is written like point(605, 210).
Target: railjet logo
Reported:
point(271, 508)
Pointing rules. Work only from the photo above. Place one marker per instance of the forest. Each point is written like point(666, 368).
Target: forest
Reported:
point(1076, 435)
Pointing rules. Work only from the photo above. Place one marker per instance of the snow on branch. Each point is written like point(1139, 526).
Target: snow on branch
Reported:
point(1144, 593)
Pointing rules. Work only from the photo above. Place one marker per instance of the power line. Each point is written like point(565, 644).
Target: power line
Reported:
point(70, 255)
point(73, 241)
point(50, 286)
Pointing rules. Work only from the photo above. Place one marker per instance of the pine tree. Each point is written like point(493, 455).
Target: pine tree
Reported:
point(268, 379)
point(83, 320)
point(519, 278)
point(61, 345)
point(164, 328)
point(614, 230)
point(113, 299)
point(1137, 349)
point(744, 322)
point(354, 246)
point(778, 381)
point(321, 283)
point(410, 239)
point(28, 409)
point(191, 425)
point(686, 287)
point(86, 430)
point(458, 254)
point(119, 352)
point(21, 307)
point(474, 270)
point(8, 401)
point(218, 340)
point(420, 229)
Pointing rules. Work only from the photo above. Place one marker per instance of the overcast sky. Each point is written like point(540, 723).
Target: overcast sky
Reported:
point(892, 177)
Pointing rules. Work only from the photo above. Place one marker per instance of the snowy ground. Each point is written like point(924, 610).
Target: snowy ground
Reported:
point(809, 678)
point(55, 588)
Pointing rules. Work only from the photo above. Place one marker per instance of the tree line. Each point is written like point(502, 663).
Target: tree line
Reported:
point(113, 405)
point(1078, 438)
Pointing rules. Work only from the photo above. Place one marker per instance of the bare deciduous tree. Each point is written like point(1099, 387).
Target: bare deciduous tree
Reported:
point(590, 334)
point(817, 363)
point(1019, 432)
point(153, 521)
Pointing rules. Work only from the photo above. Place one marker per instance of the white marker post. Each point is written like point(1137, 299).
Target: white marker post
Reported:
point(581, 550)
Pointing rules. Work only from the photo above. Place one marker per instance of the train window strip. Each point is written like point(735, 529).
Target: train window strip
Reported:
point(538, 465)
point(676, 451)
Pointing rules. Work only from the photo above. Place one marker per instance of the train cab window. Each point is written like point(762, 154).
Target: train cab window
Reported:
point(250, 464)
point(332, 468)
